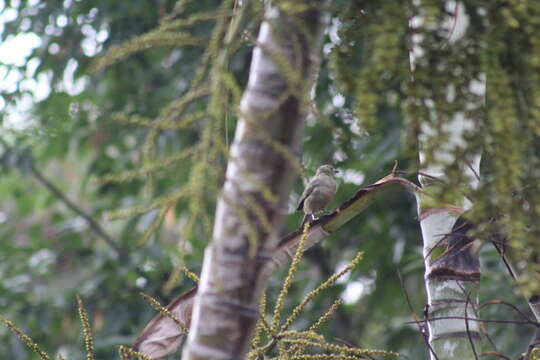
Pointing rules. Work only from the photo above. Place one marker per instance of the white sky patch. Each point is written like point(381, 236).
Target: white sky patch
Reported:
point(141, 282)
point(353, 176)
point(7, 15)
point(31, 66)
point(15, 52)
point(343, 279)
point(332, 31)
point(42, 88)
point(93, 41)
point(70, 85)
point(338, 100)
point(355, 289)
point(9, 79)
point(61, 21)
point(327, 48)
point(16, 49)
point(112, 151)
point(398, 249)
point(353, 292)
point(149, 265)
point(41, 260)
point(54, 49)
point(18, 117)
point(339, 156)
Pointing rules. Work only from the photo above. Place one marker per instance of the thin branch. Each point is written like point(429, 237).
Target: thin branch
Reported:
point(500, 247)
point(501, 302)
point(421, 327)
point(473, 170)
point(26, 162)
point(494, 353)
point(92, 223)
point(467, 299)
point(404, 172)
point(455, 16)
point(485, 331)
point(474, 319)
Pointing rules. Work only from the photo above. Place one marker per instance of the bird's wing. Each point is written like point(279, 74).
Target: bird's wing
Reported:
point(305, 194)
point(308, 190)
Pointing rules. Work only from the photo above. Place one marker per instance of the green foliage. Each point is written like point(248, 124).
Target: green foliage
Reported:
point(29, 342)
point(87, 330)
point(156, 305)
point(51, 254)
point(203, 96)
point(150, 133)
point(125, 353)
point(293, 344)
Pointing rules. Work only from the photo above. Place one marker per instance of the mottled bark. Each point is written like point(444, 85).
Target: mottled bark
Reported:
point(452, 269)
point(248, 222)
point(452, 277)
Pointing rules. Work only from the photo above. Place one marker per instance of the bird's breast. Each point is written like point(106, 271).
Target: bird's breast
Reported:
point(319, 198)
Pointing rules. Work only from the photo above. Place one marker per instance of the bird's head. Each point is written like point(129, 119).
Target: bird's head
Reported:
point(326, 170)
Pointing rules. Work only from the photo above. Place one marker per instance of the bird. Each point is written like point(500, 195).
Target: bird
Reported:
point(319, 192)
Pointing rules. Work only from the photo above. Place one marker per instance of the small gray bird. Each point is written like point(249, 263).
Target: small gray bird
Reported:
point(319, 192)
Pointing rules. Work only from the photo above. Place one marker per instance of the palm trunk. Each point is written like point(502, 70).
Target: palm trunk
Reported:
point(452, 271)
point(452, 276)
point(248, 220)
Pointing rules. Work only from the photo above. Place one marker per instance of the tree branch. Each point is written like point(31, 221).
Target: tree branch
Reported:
point(92, 223)
point(23, 160)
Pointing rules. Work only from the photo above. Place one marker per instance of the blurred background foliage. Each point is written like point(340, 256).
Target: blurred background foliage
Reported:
point(61, 118)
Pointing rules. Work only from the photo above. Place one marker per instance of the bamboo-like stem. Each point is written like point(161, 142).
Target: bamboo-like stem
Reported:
point(225, 307)
point(452, 270)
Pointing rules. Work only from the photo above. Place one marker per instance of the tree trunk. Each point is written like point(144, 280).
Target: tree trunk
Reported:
point(248, 219)
point(452, 270)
